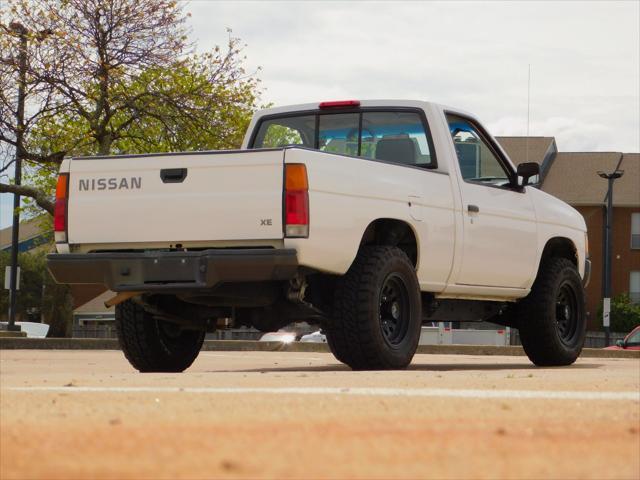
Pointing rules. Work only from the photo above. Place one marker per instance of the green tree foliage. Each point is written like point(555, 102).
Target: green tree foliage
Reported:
point(625, 316)
point(39, 297)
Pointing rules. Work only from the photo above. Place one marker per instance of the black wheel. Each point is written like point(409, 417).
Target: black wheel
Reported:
point(377, 311)
point(551, 319)
point(153, 345)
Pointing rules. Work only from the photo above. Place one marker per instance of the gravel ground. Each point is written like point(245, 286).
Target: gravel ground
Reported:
point(88, 414)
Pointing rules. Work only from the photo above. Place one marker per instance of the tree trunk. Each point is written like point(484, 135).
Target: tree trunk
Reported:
point(104, 143)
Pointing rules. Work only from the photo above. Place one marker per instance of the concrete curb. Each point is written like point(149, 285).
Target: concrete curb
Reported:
point(12, 334)
point(254, 346)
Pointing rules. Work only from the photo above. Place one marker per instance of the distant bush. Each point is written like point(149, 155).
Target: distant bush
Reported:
point(39, 297)
point(624, 315)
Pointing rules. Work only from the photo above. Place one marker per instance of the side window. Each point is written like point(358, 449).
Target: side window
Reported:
point(635, 231)
point(477, 161)
point(281, 132)
point(338, 133)
point(634, 340)
point(397, 137)
point(634, 286)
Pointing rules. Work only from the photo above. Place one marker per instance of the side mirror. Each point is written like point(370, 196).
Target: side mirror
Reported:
point(526, 171)
point(620, 343)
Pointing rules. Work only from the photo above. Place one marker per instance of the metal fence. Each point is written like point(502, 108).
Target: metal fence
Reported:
point(94, 331)
point(594, 339)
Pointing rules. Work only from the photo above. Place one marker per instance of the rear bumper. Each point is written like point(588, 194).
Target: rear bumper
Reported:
point(587, 273)
point(173, 271)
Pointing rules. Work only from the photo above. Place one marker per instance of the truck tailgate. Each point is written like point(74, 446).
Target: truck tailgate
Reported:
point(223, 196)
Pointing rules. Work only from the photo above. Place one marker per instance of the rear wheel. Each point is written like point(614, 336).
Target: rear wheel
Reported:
point(551, 319)
point(377, 311)
point(153, 345)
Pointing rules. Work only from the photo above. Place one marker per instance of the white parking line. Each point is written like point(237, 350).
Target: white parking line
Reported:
point(251, 357)
point(375, 392)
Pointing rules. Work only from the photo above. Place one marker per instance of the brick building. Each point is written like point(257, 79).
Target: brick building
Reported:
point(573, 177)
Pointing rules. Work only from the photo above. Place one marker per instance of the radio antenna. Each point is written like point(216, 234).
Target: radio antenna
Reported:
point(528, 113)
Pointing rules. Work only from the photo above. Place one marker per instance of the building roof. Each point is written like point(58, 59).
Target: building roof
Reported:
point(574, 178)
point(31, 235)
point(528, 149)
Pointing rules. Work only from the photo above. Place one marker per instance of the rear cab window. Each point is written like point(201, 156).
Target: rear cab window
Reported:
point(398, 136)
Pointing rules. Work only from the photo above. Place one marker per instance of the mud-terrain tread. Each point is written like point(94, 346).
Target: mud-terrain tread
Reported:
point(351, 335)
point(139, 338)
point(536, 317)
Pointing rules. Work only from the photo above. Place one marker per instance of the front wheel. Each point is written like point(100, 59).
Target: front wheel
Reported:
point(551, 319)
point(377, 311)
point(153, 345)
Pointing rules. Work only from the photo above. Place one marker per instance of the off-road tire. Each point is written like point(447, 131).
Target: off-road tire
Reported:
point(547, 337)
point(359, 335)
point(150, 345)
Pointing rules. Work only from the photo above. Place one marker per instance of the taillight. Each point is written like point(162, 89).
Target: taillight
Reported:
point(60, 209)
point(340, 104)
point(296, 200)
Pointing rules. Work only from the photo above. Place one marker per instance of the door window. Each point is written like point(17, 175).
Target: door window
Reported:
point(478, 163)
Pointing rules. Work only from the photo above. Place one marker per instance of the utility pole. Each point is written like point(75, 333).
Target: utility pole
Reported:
point(608, 249)
point(23, 34)
point(22, 85)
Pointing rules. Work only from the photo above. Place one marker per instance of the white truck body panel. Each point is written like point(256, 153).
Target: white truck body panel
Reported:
point(491, 254)
point(223, 197)
point(343, 204)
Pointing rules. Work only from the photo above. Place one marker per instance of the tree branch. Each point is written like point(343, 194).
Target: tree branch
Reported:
point(40, 197)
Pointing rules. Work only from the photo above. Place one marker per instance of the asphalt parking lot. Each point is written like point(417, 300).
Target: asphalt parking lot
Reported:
point(80, 414)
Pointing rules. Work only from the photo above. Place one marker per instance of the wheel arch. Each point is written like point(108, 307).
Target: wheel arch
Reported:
point(558, 247)
point(393, 232)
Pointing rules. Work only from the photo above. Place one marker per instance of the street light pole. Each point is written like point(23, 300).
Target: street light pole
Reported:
point(22, 83)
point(608, 252)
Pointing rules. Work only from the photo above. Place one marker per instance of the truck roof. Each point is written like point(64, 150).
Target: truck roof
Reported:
point(363, 103)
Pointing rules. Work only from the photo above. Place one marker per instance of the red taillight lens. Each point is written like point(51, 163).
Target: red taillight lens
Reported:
point(60, 209)
point(340, 104)
point(296, 200)
point(297, 208)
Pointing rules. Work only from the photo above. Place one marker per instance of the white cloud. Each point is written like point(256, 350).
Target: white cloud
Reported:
point(474, 55)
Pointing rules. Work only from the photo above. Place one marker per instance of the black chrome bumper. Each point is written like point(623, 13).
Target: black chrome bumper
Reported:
point(177, 271)
point(587, 273)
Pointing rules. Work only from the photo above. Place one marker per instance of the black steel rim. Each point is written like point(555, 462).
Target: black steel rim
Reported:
point(566, 313)
point(394, 310)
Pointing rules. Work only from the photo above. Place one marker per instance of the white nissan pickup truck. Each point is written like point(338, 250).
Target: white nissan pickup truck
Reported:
point(365, 217)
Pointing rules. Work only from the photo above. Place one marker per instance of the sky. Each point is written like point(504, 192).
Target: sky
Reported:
point(584, 60)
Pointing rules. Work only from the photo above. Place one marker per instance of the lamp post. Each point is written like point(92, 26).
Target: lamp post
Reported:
point(23, 34)
point(606, 306)
point(21, 31)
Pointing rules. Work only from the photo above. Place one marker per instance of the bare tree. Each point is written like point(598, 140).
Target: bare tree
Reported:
point(20, 49)
point(114, 76)
point(80, 55)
